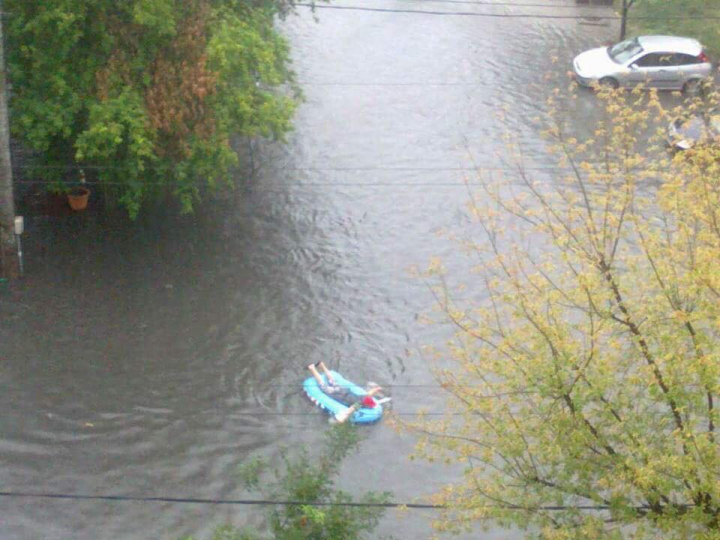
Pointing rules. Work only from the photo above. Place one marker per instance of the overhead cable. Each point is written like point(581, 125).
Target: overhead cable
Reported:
point(266, 502)
point(506, 15)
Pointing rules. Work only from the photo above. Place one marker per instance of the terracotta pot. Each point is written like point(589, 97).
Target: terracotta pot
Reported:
point(78, 198)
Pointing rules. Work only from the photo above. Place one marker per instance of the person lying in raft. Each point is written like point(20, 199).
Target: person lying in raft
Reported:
point(366, 401)
point(342, 394)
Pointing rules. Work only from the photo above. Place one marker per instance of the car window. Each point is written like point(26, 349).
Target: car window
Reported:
point(655, 60)
point(667, 59)
point(680, 59)
point(625, 50)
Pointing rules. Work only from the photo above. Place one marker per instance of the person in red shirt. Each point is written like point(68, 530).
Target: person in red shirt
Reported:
point(367, 401)
point(341, 394)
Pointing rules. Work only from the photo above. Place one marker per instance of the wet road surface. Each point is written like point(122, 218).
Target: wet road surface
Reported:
point(151, 359)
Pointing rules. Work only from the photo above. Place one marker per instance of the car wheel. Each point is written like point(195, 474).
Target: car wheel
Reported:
point(693, 87)
point(609, 82)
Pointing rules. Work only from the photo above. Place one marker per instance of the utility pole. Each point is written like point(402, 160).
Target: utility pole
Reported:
point(9, 260)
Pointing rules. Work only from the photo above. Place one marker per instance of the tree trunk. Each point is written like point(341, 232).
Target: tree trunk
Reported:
point(8, 254)
point(623, 19)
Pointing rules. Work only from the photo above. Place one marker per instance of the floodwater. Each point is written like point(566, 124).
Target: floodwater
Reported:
point(150, 359)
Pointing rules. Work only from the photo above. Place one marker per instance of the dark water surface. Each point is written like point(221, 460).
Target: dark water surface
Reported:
point(151, 359)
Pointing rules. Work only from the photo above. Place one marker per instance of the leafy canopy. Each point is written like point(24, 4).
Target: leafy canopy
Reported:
point(586, 382)
point(675, 17)
point(146, 92)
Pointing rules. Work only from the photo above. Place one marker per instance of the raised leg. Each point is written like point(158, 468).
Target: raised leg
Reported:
point(316, 374)
point(326, 371)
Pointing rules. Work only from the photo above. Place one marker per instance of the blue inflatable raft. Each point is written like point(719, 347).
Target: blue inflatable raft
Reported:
point(364, 415)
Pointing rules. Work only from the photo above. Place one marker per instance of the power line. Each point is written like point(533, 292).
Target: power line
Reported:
point(506, 15)
point(359, 169)
point(511, 4)
point(317, 184)
point(266, 502)
point(438, 83)
point(311, 184)
point(275, 183)
point(195, 500)
point(298, 386)
point(495, 168)
point(310, 414)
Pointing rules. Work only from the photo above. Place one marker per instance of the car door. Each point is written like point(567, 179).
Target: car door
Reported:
point(654, 70)
point(688, 67)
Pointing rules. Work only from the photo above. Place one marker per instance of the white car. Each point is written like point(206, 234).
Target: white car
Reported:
point(666, 62)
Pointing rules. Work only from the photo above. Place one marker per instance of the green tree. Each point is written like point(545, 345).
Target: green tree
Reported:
point(691, 18)
point(589, 375)
point(148, 92)
point(309, 477)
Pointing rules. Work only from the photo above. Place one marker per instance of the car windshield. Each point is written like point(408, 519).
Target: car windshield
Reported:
point(625, 50)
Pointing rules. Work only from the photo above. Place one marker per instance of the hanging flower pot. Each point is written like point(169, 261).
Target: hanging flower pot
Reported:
point(78, 198)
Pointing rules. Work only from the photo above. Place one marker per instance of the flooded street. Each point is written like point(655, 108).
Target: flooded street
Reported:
point(150, 360)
